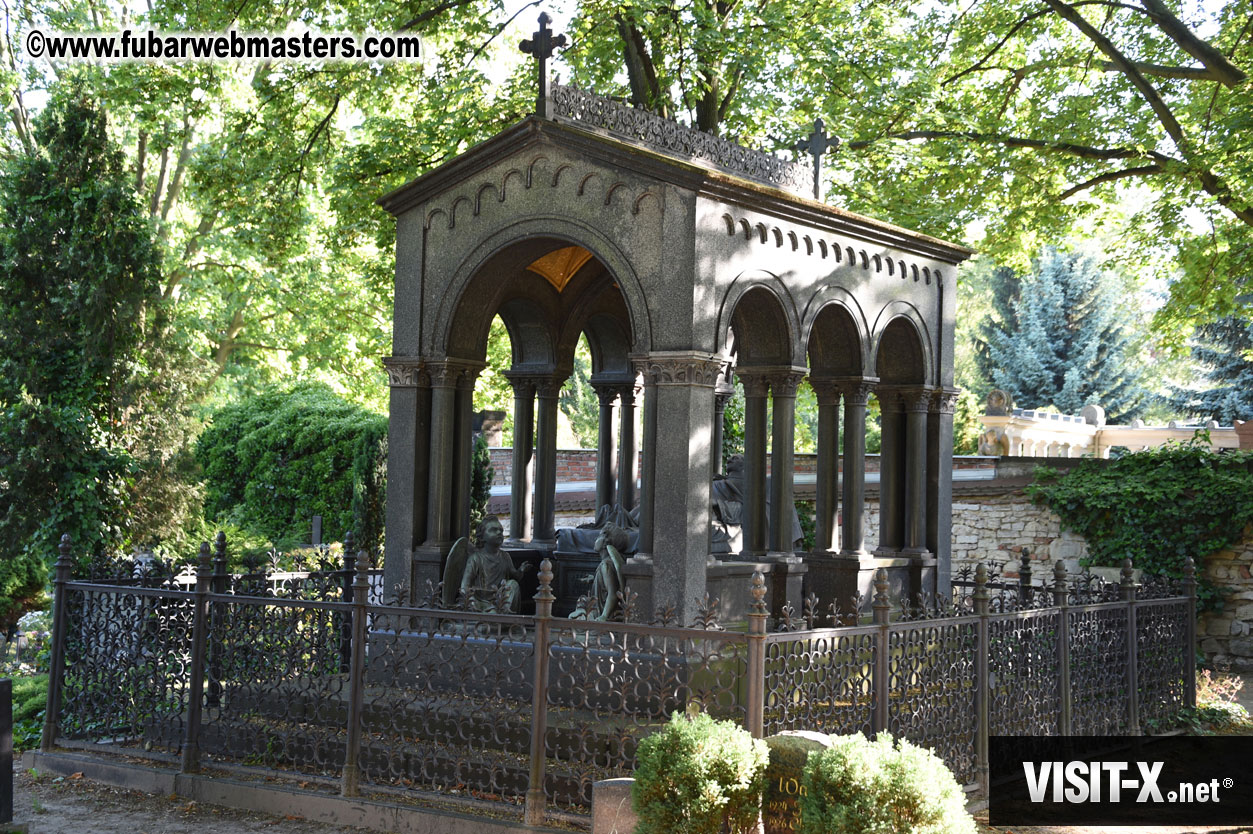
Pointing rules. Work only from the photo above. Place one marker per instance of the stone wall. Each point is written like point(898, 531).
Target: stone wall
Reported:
point(1227, 636)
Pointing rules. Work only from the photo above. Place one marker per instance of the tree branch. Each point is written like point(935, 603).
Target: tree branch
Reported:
point(1214, 61)
point(1068, 148)
point(317, 131)
point(1143, 171)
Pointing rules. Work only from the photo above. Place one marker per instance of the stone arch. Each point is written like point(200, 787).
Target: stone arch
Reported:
point(476, 291)
point(835, 334)
point(902, 346)
point(764, 330)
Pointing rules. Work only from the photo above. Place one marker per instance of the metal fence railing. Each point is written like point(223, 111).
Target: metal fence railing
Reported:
point(530, 711)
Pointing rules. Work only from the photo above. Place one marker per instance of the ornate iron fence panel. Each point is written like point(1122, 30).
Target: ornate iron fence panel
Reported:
point(1098, 669)
point(447, 702)
point(611, 684)
point(1161, 638)
point(821, 680)
point(931, 689)
point(127, 653)
point(276, 686)
point(1024, 687)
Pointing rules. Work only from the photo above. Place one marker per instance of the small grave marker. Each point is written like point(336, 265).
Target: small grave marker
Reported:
point(781, 810)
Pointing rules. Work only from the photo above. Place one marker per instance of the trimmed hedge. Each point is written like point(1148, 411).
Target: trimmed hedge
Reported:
point(275, 460)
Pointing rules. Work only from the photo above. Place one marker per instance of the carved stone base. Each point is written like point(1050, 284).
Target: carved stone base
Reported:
point(729, 583)
point(842, 577)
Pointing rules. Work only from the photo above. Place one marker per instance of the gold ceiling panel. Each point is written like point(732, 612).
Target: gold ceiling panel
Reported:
point(559, 267)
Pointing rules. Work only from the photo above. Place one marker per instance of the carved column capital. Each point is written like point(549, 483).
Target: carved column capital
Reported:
point(606, 394)
point(916, 400)
point(784, 382)
point(549, 387)
point(944, 400)
point(406, 372)
point(755, 383)
point(692, 369)
point(827, 389)
point(856, 390)
point(450, 373)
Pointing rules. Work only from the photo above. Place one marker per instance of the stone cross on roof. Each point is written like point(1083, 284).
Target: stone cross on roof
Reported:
point(541, 46)
point(816, 145)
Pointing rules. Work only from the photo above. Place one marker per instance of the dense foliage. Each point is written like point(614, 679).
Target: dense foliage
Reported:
point(94, 427)
point(1062, 337)
point(1224, 351)
point(698, 774)
point(1156, 507)
point(858, 786)
point(274, 461)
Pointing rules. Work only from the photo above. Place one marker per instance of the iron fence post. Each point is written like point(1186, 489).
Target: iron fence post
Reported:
point(983, 692)
point(56, 670)
point(356, 673)
point(1128, 590)
point(539, 702)
point(1024, 580)
point(220, 584)
point(199, 641)
point(1189, 652)
point(348, 575)
point(1061, 600)
point(882, 611)
point(754, 720)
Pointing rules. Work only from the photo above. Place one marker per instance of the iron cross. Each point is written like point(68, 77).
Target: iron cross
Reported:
point(541, 45)
point(816, 145)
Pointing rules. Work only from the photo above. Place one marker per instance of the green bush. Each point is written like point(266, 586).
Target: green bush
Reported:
point(30, 698)
point(859, 786)
point(1156, 506)
point(275, 460)
point(697, 774)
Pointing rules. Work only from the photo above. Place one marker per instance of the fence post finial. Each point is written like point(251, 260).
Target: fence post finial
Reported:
point(1127, 584)
point(544, 596)
point(881, 605)
point(1060, 589)
point(65, 562)
point(981, 589)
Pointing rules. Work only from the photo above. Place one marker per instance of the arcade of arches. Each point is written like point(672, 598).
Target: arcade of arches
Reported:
point(679, 275)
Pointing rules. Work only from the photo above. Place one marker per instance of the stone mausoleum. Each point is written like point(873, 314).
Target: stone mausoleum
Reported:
point(685, 260)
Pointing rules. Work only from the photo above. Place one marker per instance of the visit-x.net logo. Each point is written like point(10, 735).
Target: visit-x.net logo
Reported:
point(1121, 781)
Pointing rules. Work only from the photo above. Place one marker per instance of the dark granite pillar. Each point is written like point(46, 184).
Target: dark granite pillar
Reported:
point(782, 460)
point(916, 403)
point(444, 378)
point(648, 475)
point(891, 474)
point(754, 527)
point(628, 453)
point(523, 450)
point(722, 395)
point(546, 462)
point(606, 447)
point(826, 505)
point(940, 483)
point(683, 384)
point(463, 453)
point(408, 450)
point(856, 393)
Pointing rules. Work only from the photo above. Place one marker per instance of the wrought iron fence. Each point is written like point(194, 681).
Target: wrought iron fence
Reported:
point(530, 711)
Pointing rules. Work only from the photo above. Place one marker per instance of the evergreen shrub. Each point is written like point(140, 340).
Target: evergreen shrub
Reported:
point(858, 786)
point(698, 774)
point(275, 460)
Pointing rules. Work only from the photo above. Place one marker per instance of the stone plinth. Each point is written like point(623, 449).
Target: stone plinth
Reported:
point(612, 812)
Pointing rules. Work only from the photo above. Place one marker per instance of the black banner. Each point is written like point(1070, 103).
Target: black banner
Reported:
point(1115, 780)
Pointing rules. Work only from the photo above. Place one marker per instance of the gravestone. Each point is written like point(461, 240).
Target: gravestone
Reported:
point(781, 811)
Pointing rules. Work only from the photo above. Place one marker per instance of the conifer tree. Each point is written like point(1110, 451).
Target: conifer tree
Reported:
point(1062, 336)
point(1224, 349)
